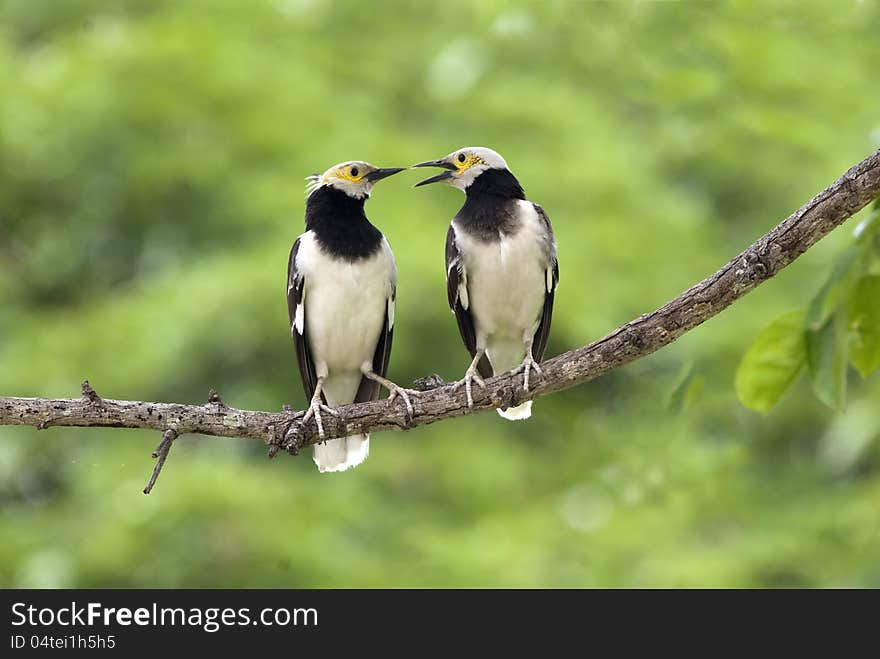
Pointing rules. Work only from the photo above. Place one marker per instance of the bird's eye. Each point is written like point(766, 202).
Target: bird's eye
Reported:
point(460, 157)
point(354, 171)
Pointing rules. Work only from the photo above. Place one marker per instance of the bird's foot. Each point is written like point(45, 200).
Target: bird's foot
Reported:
point(467, 381)
point(404, 394)
point(315, 409)
point(527, 365)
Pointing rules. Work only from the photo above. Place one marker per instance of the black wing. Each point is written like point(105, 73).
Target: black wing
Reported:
point(295, 286)
point(455, 274)
point(551, 282)
point(369, 389)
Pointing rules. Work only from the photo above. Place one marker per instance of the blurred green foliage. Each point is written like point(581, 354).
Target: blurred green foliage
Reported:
point(153, 156)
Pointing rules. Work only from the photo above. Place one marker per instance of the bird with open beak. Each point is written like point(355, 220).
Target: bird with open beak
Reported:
point(341, 289)
point(501, 269)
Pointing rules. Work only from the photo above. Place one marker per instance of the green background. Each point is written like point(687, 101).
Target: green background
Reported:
point(153, 156)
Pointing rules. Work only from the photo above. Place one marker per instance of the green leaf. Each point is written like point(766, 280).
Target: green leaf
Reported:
point(848, 268)
point(772, 362)
point(827, 351)
point(868, 235)
point(864, 325)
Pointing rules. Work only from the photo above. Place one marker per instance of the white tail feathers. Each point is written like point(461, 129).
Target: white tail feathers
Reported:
point(518, 413)
point(340, 454)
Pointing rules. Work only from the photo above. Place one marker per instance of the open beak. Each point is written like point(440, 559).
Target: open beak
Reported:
point(384, 172)
point(442, 176)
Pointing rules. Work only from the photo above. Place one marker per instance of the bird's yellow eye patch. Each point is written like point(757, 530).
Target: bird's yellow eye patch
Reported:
point(352, 173)
point(465, 161)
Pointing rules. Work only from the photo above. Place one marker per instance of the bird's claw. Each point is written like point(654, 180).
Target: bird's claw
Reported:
point(469, 378)
point(315, 409)
point(528, 364)
point(404, 395)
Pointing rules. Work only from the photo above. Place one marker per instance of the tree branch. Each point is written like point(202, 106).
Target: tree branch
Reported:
point(161, 454)
point(637, 338)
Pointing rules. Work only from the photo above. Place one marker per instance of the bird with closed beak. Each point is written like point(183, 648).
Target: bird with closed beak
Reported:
point(341, 289)
point(501, 270)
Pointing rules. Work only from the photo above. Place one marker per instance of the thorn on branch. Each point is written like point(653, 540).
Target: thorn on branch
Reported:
point(90, 394)
point(161, 453)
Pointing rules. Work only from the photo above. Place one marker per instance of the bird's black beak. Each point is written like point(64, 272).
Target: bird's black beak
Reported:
point(442, 176)
point(383, 172)
point(436, 163)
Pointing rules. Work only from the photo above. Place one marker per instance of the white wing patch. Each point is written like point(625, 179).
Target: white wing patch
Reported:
point(462, 288)
point(299, 321)
point(391, 273)
point(299, 317)
point(550, 287)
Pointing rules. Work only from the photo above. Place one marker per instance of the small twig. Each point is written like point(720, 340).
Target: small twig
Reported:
point(161, 453)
